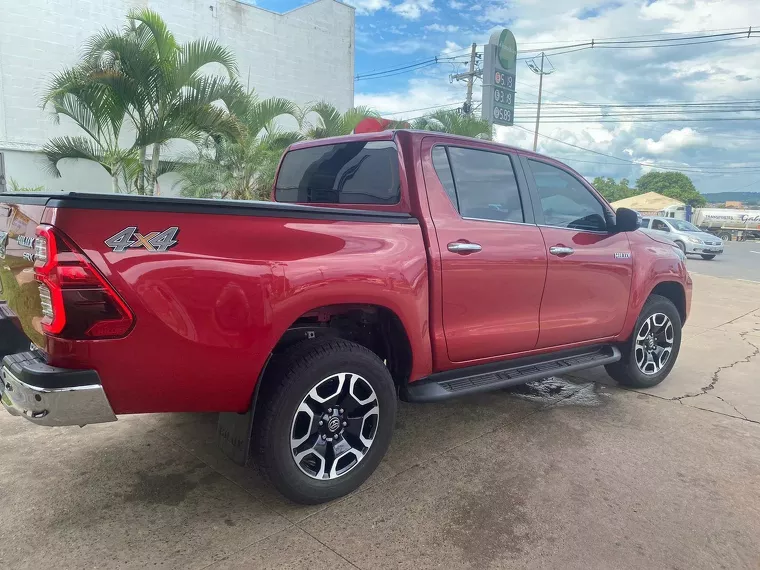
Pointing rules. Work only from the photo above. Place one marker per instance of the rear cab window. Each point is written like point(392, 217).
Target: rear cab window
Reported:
point(359, 172)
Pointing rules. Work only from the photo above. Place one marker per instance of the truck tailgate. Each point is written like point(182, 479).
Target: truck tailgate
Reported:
point(18, 289)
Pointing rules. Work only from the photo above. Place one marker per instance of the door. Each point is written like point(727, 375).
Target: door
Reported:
point(493, 259)
point(588, 279)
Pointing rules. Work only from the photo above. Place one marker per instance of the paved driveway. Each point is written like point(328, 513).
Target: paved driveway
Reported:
point(569, 473)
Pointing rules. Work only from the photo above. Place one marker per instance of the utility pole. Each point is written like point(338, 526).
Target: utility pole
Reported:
point(539, 70)
point(470, 77)
point(538, 109)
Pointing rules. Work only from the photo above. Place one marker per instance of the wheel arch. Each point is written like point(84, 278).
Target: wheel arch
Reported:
point(675, 292)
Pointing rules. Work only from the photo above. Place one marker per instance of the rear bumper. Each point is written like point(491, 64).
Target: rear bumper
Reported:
point(50, 396)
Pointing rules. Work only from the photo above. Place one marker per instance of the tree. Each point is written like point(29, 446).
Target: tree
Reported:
point(242, 168)
point(672, 184)
point(455, 123)
point(100, 113)
point(614, 191)
point(143, 73)
point(331, 123)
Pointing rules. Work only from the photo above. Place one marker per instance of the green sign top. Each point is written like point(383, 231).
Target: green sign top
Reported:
point(506, 51)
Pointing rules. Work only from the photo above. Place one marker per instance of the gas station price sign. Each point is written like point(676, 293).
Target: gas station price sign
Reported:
point(499, 71)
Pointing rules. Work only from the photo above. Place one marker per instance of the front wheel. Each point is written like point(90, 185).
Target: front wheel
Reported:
point(681, 246)
point(650, 354)
point(326, 420)
point(708, 257)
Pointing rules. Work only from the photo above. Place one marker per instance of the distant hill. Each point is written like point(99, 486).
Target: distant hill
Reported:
point(745, 197)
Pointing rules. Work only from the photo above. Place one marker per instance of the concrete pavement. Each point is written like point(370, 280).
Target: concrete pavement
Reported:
point(577, 474)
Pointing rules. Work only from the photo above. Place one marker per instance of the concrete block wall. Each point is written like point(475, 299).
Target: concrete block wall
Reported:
point(304, 55)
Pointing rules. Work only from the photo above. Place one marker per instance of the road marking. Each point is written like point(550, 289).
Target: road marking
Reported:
point(748, 280)
point(754, 251)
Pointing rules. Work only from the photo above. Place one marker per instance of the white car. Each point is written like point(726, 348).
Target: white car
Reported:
point(688, 237)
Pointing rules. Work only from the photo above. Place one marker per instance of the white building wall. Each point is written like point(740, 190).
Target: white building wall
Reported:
point(305, 55)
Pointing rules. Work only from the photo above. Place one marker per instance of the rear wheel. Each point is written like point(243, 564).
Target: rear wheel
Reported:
point(650, 354)
point(707, 256)
point(725, 236)
point(326, 420)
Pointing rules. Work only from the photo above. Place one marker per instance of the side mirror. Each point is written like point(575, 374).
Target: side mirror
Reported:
point(626, 220)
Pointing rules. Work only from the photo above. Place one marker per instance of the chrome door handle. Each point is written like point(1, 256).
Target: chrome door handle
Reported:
point(561, 250)
point(462, 247)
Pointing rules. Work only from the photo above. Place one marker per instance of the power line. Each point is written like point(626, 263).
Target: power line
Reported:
point(571, 48)
point(692, 32)
point(625, 160)
point(419, 109)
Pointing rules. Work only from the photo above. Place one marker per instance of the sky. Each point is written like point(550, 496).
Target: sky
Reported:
point(719, 155)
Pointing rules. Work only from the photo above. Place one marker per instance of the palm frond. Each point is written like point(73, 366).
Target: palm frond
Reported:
point(162, 39)
point(197, 53)
point(63, 148)
point(329, 120)
point(259, 115)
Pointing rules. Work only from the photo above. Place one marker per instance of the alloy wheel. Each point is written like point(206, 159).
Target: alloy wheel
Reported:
point(654, 343)
point(334, 426)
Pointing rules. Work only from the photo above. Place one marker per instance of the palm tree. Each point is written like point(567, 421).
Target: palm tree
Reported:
point(242, 168)
point(455, 123)
point(331, 123)
point(158, 83)
point(100, 114)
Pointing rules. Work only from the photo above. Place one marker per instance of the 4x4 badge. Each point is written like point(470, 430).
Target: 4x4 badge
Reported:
point(131, 238)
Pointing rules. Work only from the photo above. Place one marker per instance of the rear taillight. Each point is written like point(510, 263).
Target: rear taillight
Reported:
point(77, 302)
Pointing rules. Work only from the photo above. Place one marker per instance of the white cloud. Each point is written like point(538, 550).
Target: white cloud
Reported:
point(452, 47)
point(369, 6)
point(439, 28)
point(413, 9)
point(672, 141)
point(722, 71)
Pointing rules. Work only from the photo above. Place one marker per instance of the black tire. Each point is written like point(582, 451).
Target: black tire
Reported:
point(626, 371)
point(293, 375)
point(681, 246)
point(725, 236)
point(708, 257)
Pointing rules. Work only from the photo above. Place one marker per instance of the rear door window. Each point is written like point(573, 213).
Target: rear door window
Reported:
point(348, 173)
point(645, 222)
point(481, 184)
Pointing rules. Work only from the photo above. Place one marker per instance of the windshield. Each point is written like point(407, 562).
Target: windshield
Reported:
point(682, 226)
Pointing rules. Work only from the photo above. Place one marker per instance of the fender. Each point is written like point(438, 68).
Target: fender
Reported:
point(654, 263)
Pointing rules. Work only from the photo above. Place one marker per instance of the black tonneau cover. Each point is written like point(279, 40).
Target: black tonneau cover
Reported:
point(133, 202)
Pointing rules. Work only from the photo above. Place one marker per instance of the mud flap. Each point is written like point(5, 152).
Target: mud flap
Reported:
point(233, 434)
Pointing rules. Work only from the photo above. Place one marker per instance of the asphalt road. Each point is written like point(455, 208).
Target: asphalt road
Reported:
point(740, 260)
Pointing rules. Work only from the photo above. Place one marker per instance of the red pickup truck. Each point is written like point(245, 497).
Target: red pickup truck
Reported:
point(390, 265)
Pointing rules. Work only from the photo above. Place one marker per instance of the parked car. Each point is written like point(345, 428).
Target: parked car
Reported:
point(396, 264)
point(689, 238)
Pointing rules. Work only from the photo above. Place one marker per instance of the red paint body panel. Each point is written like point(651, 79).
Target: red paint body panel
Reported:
point(209, 311)
point(586, 293)
point(490, 299)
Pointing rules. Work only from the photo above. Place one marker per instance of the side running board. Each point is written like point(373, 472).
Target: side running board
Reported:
point(483, 378)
